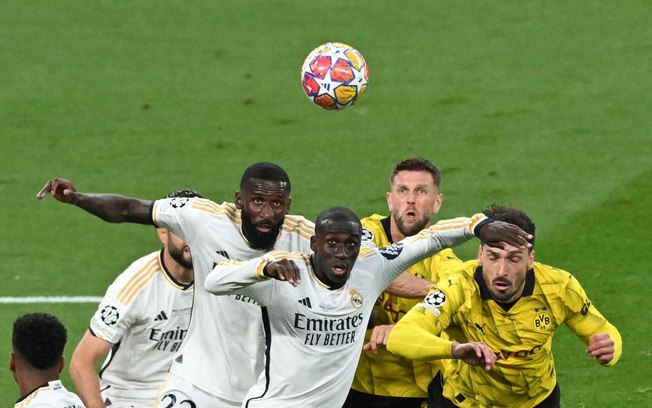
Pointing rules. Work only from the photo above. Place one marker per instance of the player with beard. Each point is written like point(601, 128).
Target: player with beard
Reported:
point(223, 350)
point(139, 324)
point(382, 379)
point(317, 305)
point(508, 308)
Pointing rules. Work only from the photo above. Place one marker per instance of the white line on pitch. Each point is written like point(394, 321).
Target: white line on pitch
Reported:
point(51, 299)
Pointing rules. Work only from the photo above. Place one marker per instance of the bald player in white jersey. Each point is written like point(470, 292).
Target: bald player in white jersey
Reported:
point(223, 352)
point(137, 328)
point(315, 325)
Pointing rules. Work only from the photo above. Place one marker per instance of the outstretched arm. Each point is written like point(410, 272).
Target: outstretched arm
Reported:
point(109, 207)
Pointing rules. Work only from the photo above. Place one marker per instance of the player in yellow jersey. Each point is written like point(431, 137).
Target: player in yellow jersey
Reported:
point(508, 307)
point(382, 379)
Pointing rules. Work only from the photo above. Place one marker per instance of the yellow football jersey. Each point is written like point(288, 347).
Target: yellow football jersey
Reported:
point(521, 336)
point(384, 373)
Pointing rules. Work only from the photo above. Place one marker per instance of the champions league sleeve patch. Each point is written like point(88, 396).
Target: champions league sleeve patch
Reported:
point(179, 202)
point(433, 301)
point(109, 315)
point(391, 251)
point(367, 235)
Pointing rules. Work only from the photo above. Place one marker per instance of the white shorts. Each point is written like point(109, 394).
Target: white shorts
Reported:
point(177, 392)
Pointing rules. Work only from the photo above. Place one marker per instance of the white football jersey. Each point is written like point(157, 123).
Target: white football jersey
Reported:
point(145, 314)
point(314, 334)
point(224, 349)
point(50, 395)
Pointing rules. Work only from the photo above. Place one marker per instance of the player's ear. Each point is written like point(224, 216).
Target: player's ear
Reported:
point(480, 255)
point(389, 201)
point(238, 200)
point(530, 261)
point(313, 243)
point(12, 362)
point(437, 204)
point(162, 235)
point(62, 363)
point(287, 209)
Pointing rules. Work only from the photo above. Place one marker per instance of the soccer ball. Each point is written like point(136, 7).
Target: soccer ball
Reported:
point(334, 76)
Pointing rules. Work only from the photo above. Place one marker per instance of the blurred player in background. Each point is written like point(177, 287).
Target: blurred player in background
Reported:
point(382, 379)
point(36, 361)
point(508, 306)
point(317, 305)
point(223, 351)
point(142, 321)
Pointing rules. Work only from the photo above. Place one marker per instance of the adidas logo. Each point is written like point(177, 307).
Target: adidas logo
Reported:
point(305, 302)
point(179, 359)
point(223, 254)
point(161, 316)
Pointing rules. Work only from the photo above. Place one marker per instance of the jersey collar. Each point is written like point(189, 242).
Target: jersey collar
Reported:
point(387, 226)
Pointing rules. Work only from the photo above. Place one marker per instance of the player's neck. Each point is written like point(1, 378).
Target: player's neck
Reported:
point(32, 379)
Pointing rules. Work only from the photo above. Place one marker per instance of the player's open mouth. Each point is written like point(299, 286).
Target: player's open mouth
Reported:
point(264, 228)
point(339, 269)
point(410, 216)
point(501, 284)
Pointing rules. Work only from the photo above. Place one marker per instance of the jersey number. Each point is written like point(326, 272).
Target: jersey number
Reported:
point(173, 402)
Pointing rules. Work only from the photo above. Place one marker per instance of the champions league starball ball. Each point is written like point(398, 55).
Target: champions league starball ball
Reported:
point(334, 76)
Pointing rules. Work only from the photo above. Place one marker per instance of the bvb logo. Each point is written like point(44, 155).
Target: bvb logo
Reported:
point(542, 321)
point(356, 299)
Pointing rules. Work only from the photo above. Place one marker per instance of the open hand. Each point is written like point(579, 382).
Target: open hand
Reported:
point(497, 233)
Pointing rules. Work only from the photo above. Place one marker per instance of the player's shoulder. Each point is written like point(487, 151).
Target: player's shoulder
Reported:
point(52, 394)
point(464, 275)
point(373, 231)
point(547, 274)
point(298, 225)
point(278, 254)
point(136, 278)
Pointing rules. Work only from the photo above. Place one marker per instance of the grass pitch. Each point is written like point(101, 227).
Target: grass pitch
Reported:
point(541, 105)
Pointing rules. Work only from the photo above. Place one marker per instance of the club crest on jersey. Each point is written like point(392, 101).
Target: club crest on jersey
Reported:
point(367, 235)
point(356, 299)
point(392, 251)
point(179, 202)
point(542, 321)
point(109, 315)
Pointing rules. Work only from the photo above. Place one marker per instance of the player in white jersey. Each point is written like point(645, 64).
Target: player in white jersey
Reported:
point(223, 352)
point(315, 325)
point(36, 361)
point(137, 328)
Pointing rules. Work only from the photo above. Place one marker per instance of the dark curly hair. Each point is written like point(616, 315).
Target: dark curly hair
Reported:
point(39, 338)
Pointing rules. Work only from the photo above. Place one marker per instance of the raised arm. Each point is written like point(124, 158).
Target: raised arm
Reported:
point(109, 207)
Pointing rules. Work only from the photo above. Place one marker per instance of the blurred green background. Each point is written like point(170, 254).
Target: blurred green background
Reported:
point(543, 105)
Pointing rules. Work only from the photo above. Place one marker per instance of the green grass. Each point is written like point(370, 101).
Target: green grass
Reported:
point(540, 105)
